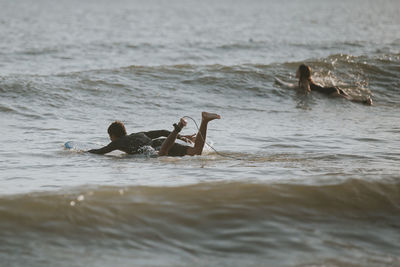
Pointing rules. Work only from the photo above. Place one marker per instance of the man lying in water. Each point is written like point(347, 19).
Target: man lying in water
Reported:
point(307, 85)
point(133, 143)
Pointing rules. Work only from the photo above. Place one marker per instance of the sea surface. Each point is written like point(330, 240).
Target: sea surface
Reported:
point(286, 179)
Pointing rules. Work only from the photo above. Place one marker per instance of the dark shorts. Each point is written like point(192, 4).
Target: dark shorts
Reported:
point(177, 150)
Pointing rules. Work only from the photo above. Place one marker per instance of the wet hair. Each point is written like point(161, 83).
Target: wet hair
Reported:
point(305, 72)
point(117, 129)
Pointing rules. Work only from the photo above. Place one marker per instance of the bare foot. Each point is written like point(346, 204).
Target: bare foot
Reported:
point(210, 116)
point(182, 123)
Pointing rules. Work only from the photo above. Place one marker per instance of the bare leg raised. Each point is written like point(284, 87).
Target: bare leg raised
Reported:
point(201, 135)
point(169, 142)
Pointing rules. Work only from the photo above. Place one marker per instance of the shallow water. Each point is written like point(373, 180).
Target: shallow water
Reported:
point(295, 180)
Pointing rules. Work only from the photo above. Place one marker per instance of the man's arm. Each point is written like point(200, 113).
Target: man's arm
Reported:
point(108, 148)
point(286, 84)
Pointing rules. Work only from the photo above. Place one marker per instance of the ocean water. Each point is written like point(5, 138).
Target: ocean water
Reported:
point(286, 180)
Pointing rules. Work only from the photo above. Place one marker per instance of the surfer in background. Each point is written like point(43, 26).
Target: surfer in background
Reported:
point(307, 85)
point(133, 143)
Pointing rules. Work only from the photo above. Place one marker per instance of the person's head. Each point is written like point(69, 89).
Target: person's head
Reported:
point(303, 73)
point(116, 130)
